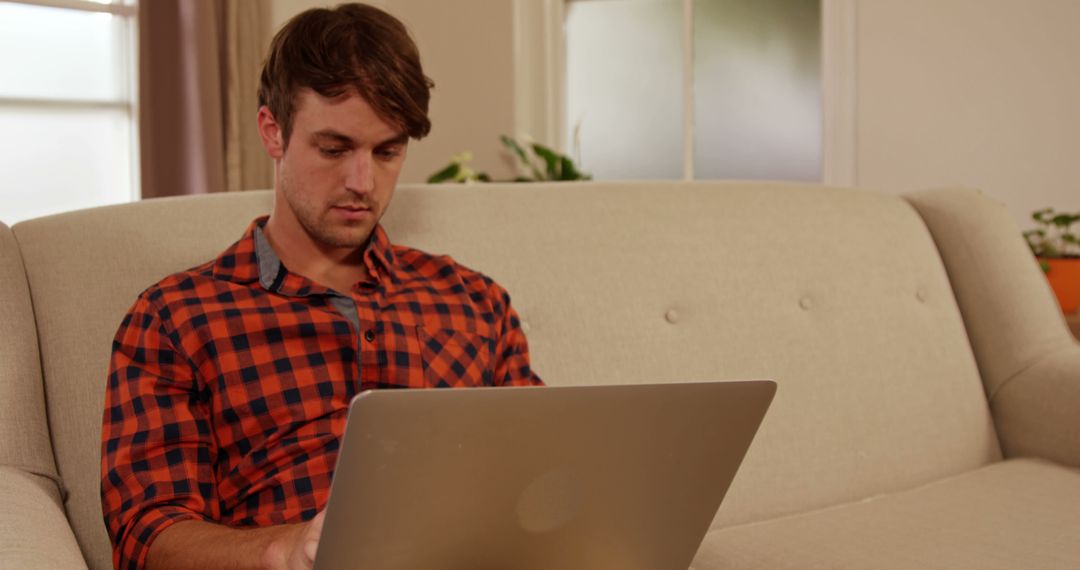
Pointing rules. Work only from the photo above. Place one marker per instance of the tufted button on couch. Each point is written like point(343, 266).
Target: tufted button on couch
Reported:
point(928, 411)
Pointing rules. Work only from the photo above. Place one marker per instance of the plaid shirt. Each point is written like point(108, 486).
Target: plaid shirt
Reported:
point(229, 383)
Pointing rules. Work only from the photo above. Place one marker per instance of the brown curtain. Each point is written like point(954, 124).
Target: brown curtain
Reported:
point(247, 31)
point(198, 72)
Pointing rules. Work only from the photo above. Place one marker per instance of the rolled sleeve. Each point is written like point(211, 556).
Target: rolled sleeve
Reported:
point(157, 449)
point(512, 366)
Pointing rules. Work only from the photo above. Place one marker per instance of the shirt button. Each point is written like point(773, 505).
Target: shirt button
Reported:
point(369, 335)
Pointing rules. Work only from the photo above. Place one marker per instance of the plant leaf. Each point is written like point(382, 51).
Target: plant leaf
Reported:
point(1062, 220)
point(567, 170)
point(551, 160)
point(448, 173)
point(516, 149)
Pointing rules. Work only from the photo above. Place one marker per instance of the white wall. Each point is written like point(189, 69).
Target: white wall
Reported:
point(979, 93)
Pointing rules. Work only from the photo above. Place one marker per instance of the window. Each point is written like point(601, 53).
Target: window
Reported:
point(694, 89)
point(67, 106)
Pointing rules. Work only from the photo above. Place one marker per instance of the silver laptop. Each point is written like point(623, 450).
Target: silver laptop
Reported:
point(565, 478)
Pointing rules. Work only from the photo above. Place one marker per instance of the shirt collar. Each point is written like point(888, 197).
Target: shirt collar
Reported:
point(379, 256)
point(252, 258)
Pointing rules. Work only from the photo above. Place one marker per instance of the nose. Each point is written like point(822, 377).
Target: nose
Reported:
point(361, 175)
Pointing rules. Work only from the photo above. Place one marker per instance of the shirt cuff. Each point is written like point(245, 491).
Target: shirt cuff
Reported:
point(130, 553)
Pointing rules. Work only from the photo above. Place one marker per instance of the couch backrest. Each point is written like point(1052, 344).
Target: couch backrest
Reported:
point(24, 433)
point(839, 295)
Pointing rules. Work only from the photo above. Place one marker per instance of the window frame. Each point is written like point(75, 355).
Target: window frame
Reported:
point(540, 81)
point(126, 41)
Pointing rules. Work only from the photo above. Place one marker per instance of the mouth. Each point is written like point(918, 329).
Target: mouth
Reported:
point(353, 212)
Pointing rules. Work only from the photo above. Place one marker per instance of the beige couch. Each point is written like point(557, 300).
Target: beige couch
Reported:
point(928, 412)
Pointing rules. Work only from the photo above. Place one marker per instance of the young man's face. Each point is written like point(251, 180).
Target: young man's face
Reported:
point(337, 174)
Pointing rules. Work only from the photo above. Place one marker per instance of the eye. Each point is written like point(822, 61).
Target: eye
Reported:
point(388, 153)
point(332, 152)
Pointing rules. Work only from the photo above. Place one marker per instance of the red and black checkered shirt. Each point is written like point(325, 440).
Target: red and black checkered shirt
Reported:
point(230, 382)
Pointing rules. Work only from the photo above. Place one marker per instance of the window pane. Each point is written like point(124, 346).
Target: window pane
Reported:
point(757, 89)
point(624, 87)
point(61, 54)
point(59, 160)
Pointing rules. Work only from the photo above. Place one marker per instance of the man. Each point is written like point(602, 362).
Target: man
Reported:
point(229, 382)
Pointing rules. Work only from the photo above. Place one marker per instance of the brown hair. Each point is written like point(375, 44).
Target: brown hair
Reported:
point(351, 46)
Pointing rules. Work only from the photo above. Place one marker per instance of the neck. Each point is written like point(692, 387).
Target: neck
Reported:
point(335, 267)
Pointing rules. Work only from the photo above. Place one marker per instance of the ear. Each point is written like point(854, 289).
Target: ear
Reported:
point(271, 133)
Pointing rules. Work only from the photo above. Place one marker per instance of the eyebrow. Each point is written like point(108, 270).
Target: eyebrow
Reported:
point(346, 140)
point(332, 135)
point(398, 140)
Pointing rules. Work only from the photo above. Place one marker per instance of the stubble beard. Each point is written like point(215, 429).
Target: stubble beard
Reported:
point(314, 218)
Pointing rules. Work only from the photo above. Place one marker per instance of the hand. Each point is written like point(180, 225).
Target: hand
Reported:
point(296, 548)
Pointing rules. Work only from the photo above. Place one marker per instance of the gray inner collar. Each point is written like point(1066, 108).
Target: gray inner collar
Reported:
point(267, 259)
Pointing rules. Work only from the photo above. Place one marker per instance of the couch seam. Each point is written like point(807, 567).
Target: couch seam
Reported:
point(55, 475)
point(1024, 369)
point(913, 200)
point(875, 497)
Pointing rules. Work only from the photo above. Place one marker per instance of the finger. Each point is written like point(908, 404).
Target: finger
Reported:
point(311, 547)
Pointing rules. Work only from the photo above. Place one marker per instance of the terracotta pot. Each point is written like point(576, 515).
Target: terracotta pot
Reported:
point(1064, 278)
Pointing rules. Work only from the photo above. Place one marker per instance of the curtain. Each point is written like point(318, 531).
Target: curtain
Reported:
point(248, 38)
point(198, 72)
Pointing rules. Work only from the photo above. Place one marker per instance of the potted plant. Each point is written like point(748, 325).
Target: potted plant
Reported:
point(1057, 247)
point(540, 162)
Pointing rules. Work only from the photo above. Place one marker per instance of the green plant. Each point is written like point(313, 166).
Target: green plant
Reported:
point(541, 163)
point(1054, 236)
point(459, 171)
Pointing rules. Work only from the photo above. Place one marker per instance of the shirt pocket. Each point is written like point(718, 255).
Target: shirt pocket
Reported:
point(455, 359)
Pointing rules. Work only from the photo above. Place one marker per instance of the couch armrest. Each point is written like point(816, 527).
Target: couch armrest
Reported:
point(1028, 359)
point(1036, 411)
point(34, 531)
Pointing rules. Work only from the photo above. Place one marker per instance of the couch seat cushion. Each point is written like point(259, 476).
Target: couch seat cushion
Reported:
point(1020, 513)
